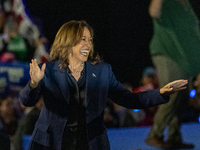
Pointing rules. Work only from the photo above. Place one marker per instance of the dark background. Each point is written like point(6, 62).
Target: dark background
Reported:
point(123, 29)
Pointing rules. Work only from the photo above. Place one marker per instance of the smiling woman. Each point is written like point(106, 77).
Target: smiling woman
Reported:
point(74, 48)
point(80, 53)
point(72, 35)
point(75, 85)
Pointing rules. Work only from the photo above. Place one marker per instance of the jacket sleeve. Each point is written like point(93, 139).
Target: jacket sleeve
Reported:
point(29, 97)
point(122, 96)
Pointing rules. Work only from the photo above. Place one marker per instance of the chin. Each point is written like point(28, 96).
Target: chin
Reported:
point(84, 58)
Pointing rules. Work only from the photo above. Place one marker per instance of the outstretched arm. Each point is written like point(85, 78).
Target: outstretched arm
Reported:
point(173, 87)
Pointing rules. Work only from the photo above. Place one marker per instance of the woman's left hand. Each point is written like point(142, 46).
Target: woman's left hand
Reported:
point(173, 87)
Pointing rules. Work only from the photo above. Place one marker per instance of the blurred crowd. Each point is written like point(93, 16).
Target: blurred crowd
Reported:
point(21, 40)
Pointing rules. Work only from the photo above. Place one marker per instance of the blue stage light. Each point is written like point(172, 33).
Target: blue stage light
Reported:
point(199, 118)
point(192, 93)
point(136, 110)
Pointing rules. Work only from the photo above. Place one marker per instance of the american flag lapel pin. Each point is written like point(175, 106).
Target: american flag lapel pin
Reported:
point(93, 75)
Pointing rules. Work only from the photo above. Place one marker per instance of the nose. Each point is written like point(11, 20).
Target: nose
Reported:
point(88, 42)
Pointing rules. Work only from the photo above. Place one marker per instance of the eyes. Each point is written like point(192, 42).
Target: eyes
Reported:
point(85, 39)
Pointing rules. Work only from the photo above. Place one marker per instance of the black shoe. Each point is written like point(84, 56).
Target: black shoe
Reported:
point(180, 145)
point(155, 141)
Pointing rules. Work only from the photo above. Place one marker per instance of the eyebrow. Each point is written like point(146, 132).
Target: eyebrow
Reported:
point(85, 37)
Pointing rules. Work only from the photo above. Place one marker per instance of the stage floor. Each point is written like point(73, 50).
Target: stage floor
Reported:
point(133, 138)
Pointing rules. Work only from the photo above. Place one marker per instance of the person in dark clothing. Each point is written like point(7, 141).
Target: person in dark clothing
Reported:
point(76, 85)
point(4, 141)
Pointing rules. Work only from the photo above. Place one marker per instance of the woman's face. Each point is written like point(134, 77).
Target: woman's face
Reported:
point(80, 51)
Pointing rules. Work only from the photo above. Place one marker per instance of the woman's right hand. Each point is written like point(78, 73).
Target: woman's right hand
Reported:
point(36, 73)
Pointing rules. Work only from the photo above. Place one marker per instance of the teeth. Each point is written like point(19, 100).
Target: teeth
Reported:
point(84, 52)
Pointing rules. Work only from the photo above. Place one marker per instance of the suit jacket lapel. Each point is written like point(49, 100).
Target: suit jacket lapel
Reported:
point(61, 78)
point(91, 78)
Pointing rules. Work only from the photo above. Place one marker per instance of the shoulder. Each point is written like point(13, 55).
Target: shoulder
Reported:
point(52, 64)
point(100, 64)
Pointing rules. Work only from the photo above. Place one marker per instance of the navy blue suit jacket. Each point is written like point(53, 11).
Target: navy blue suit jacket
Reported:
point(100, 85)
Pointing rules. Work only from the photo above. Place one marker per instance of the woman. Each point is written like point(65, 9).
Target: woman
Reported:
point(75, 85)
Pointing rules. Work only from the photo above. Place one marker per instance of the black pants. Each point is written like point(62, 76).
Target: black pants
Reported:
point(75, 139)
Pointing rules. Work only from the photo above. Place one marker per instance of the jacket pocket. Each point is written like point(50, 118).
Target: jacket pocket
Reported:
point(40, 134)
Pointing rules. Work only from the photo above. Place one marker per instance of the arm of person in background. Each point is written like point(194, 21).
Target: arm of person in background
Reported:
point(155, 8)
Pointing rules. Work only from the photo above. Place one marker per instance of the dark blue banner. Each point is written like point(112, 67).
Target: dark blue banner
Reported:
point(18, 72)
